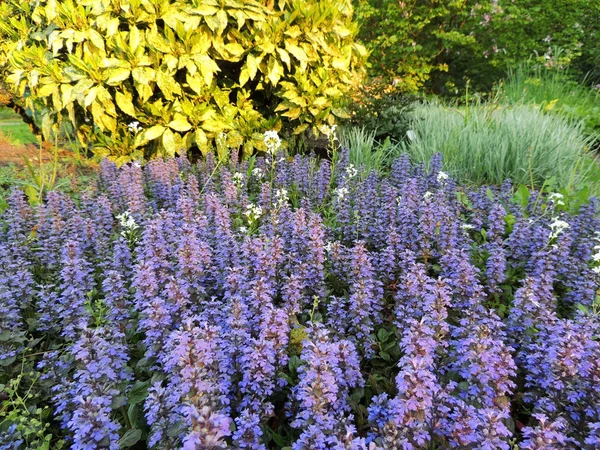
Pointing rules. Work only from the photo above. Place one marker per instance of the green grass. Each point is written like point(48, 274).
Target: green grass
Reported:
point(365, 150)
point(18, 134)
point(8, 114)
point(553, 91)
point(487, 143)
point(14, 129)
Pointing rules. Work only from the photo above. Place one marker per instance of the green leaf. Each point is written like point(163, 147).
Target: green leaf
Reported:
point(294, 362)
point(385, 356)
point(522, 195)
point(114, 77)
point(117, 402)
point(583, 309)
point(279, 440)
point(274, 71)
point(138, 392)
point(171, 142)
point(180, 125)
point(130, 438)
point(382, 335)
point(204, 10)
point(510, 221)
point(149, 134)
point(125, 103)
point(143, 75)
point(463, 199)
point(8, 361)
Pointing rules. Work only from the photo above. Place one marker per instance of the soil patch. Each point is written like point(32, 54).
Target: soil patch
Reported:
point(13, 154)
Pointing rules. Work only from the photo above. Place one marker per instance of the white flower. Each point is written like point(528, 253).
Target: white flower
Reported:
point(556, 198)
point(442, 177)
point(351, 171)
point(596, 270)
point(257, 173)
point(126, 220)
point(341, 192)
point(238, 179)
point(329, 131)
point(243, 230)
point(467, 226)
point(411, 135)
point(328, 246)
point(253, 212)
point(134, 127)
point(282, 196)
point(272, 141)
point(557, 227)
point(427, 195)
point(128, 223)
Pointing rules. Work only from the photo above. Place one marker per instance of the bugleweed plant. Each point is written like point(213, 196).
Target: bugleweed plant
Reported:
point(277, 303)
point(486, 143)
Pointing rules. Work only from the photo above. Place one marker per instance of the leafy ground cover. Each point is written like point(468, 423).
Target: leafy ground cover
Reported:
point(298, 303)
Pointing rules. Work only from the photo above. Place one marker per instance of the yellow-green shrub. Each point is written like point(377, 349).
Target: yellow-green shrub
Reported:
point(187, 71)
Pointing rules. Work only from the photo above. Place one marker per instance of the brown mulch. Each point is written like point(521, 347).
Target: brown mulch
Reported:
point(13, 154)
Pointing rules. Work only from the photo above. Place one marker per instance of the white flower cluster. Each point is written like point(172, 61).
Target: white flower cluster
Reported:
point(442, 177)
point(341, 193)
point(351, 171)
point(329, 131)
point(556, 198)
point(253, 212)
point(258, 173)
point(596, 255)
point(281, 195)
point(238, 179)
point(134, 127)
point(128, 223)
point(427, 195)
point(557, 227)
point(272, 141)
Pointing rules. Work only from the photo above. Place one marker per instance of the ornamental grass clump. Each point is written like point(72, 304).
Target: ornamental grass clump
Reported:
point(488, 143)
point(281, 302)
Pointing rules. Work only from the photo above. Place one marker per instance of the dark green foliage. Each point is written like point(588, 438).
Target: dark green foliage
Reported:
point(382, 108)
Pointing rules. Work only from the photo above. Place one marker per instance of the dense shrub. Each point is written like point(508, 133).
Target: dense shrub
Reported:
point(381, 108)
point(444, 43)
point(489, 142)
point(146, 78)
point(284, 303)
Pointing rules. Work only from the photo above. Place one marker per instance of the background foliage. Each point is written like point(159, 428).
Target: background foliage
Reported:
point(440, 44)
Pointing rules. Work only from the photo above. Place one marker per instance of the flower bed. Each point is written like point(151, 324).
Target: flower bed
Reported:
point(288, 303)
